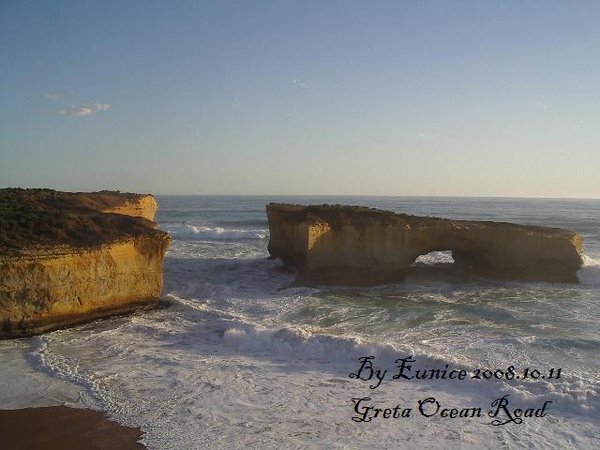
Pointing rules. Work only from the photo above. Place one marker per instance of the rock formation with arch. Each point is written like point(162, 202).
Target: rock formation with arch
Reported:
point(335, 244)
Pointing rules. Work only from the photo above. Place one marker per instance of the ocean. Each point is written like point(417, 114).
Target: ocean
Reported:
point(242, 358)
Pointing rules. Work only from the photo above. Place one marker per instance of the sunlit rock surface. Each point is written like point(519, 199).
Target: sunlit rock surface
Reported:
point(358, 245)
point(67, 258)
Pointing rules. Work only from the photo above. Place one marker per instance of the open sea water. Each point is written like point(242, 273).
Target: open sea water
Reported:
point(242, 358)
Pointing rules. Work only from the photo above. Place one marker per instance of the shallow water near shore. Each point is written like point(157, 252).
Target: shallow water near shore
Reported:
point(244, 358)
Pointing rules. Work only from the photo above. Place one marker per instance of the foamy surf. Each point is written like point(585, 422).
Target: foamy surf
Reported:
point(216, 233)
point(436, 257)
point(589, 274)
point(219, 372)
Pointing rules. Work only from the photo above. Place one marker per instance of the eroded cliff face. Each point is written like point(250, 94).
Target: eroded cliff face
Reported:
point(350, 245)
point(143, 206)
point(72, 261)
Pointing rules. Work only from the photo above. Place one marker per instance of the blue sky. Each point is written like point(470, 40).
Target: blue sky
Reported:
point(473, 98)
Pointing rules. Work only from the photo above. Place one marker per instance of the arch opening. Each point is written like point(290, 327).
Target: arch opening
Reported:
point(434, 258)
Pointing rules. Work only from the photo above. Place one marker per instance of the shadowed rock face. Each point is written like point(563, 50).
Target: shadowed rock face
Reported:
point(358, 245)
point(67, 258)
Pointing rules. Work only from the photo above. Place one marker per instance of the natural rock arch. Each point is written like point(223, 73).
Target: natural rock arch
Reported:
point(348, 245)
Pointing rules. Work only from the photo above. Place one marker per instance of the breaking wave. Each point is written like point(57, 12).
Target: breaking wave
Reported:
point(589, 274)
point(186, 231)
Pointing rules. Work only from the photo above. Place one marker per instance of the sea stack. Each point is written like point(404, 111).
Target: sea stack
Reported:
point(67, 258)
point(335, 244)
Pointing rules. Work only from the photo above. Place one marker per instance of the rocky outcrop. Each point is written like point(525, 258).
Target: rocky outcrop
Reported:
point(357, 245)
point(142, 206)
point(67, 258)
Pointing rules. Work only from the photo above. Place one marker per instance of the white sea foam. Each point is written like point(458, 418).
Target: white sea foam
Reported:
point(435, 257)
point(300, 343)
point(200, 232)
point(26, 384)
point(207, 387)
point(589, 274)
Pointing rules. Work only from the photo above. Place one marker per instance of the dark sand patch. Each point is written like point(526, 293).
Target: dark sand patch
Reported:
point(62, 428)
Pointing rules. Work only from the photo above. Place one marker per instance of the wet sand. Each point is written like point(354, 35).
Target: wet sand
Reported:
point(59, 427)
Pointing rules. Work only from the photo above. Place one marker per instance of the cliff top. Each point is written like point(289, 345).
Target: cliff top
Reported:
point(360, 216)
point(337, 215)
point(34, 219)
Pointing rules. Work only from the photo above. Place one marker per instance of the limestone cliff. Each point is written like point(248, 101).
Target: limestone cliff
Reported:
point(66, 258)
point(355, 245)
point(142, 206)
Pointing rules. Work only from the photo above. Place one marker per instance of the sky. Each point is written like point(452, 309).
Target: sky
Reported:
point(460, 98)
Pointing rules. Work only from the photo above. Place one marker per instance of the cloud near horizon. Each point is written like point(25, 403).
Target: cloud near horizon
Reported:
point(299, 83)
point(84, 110)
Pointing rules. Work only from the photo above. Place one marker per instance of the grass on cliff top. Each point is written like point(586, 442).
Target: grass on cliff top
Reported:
point(38, 218)
point(338, 215)
point(361, 216)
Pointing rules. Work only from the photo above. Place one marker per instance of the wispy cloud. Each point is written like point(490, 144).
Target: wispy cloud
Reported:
point(84, 110)
point(52, 96)
point(542, 106)
point(426, 137)
point(298, 82)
